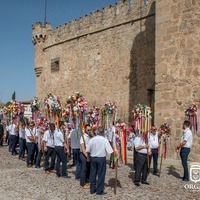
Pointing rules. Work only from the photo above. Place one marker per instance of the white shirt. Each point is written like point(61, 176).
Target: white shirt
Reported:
point(75, 142)
point(86, 138)
point(153, 140)
point(29, 133)
point(139, 141)
point(112, 137)
point(99, 146)
point(7, 128)
point(12, 129)
point(187, 136)
point(38, 134)
point(22, 132)
point(58, 138)
point(49, 139)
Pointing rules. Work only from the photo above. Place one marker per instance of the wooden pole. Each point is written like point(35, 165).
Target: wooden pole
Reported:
point(116, 173)
point(161, 163)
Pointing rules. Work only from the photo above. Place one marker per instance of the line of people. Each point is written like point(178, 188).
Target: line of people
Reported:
point(89, 151)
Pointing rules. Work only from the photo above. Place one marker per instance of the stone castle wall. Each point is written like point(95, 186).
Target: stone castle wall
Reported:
point(108, 55)
point(177, 64)
point(130, 53)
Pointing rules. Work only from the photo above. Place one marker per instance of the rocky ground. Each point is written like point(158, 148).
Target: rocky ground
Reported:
point(21, 183)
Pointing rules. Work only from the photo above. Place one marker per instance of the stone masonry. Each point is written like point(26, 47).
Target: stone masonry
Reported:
point(129, 53)
point(177, 64)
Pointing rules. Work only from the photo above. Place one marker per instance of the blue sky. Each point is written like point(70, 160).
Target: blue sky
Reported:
point(16, 48)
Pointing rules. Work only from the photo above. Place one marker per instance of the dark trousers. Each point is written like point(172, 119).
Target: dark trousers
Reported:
point(50, 154)
point(154, 154)
point(85, 170)
point(98, 168)
point(13, 143)
point(22, 147)
point(184, 158)
point(134, 158)
point(76, 154)
point(7, 137)
point(141, 167)
point(1, 140)
point(30, 154)
point(38, 158)
point(61, 157)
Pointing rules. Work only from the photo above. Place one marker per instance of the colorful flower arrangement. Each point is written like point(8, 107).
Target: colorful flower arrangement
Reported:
point(141, 118)
point(191, 111)
point(191, 115)
point(109, 108)
point(137, 111)
point(165, 129)
point(108, 114)
point(77, 104)
point(52, 105)
point(66, 114)
point(15, 109)
point(35, 105)
point(93, 115)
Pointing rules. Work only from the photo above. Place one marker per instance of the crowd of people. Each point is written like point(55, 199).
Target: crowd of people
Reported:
point(56, 143)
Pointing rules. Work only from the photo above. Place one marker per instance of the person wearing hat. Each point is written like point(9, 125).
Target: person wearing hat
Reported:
point(153, 142)
point(98, 147)
point(49, 148)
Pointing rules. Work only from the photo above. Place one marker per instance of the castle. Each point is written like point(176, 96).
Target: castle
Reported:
point(130, 53)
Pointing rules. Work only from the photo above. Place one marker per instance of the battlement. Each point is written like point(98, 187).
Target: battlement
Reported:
point(39, 32)
point(113, 15)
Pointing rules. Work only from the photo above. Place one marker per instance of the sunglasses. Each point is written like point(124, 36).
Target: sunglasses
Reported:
point(88, 129)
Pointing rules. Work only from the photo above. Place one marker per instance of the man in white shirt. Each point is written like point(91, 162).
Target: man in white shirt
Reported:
point(85, 162)
point(74, 141)
point(141, 160)
point(22, 140)
point(185, 146)
point(49, 148)
point(153, 142)
point(30, 143)
point(98, 147)
point(60, 146)
point(14, 132)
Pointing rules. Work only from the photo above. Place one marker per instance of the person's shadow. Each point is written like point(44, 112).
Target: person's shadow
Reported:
point(172, 171)
point(112, 182)
point(142, 63)
point(131, 176)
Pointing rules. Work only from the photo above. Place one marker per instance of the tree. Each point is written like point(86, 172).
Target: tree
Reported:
point(13, 96)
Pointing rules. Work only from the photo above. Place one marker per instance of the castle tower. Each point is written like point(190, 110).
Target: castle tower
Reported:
point(39, 36)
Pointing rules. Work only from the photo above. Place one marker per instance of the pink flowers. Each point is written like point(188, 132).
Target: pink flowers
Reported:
point(191, 111)
point(165, 129)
